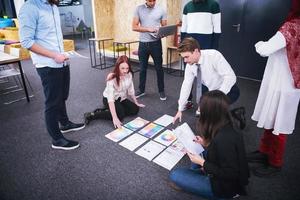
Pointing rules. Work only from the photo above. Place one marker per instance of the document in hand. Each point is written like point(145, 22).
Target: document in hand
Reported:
point(186, 136)
point(74, 54)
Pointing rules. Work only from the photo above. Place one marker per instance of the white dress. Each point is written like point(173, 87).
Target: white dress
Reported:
point(277, 103)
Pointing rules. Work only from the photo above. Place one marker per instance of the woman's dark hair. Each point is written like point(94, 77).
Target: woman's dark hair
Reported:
point(214, 114)
point(116, 71)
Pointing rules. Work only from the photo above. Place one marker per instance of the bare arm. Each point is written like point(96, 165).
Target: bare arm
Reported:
point(163, 22)
point(136, 26)
point(117, 123)
point(58, 57)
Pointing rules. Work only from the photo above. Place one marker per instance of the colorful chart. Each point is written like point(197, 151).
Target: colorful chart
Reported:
point(118, 134)
point(151, 130)
point(166, 138)
point(136, 124)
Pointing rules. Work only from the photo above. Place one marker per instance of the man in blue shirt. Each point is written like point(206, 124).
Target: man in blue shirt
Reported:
point(40, 32)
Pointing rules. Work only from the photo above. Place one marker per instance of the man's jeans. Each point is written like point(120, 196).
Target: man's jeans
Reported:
point(155, 50)
point(56, 83)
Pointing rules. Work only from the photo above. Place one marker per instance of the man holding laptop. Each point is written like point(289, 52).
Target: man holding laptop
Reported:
point(147, 19)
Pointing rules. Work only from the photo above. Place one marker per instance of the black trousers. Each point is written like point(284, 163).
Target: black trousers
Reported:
point(233, 94)
point(56, 84)
point(123, 108)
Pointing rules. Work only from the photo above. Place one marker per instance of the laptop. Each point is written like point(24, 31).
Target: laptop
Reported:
point(164, 31)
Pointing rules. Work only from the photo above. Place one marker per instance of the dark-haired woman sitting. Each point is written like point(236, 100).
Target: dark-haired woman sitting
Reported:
point(223, 170)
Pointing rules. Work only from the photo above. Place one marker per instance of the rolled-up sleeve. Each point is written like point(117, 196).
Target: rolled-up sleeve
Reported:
point(224, 69)
point(110, 91)
point(27, 25)
point(186, 86)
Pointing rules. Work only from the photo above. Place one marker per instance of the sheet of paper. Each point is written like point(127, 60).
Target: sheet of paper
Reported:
point(150, 150)
point(169, 157)
point(166, 138)
point(133, 141)
point(151, 130)
point(136, 124)
point(74, 54)
point(118, 134)
point(164, 120)
point(186, 136)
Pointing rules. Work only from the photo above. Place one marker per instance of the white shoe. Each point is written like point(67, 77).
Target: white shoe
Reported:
point(197, 114)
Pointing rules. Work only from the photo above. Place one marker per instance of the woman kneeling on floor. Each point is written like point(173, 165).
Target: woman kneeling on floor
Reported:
point(119, 86)
point(223, 171)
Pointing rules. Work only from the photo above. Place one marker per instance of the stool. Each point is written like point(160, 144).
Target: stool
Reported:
point(92, 47)
point(170, 50)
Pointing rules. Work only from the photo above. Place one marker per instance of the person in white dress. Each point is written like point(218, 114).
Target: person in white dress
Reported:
point(277, 103)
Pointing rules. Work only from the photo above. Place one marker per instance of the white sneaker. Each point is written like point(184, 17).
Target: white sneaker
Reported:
point(197, 114)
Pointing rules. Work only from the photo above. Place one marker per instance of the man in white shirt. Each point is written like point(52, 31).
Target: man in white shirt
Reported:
point(211, 70)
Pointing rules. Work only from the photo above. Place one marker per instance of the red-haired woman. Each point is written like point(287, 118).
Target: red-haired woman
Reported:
point(119, 86)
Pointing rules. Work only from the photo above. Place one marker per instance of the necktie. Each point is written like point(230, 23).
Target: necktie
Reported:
point(199, 84)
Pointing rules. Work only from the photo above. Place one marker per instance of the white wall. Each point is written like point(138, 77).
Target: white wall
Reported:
point(72, 15)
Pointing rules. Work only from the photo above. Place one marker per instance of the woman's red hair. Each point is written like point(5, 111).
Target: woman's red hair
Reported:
point(116, 71)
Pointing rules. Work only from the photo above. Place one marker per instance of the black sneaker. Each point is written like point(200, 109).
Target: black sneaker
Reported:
point(257, 157)
point(139, 94)
point(239, 115)
point(162, 96)
point(266, 171)
point(88, 117)
point(71, 127)
point(69, 145)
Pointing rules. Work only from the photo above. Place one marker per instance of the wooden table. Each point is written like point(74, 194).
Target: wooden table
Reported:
point(9, 59)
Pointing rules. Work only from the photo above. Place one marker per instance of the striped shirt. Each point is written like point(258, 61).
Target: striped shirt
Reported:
point(113, 91)
point(202, 21)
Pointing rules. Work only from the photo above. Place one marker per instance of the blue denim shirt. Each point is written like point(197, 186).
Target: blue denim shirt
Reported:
point(40, 24)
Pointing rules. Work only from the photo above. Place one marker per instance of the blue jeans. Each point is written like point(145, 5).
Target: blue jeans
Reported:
point(193, 181)
point(155, 50)
point(56, 84)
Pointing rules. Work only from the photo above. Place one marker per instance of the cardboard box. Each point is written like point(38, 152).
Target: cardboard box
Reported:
point(69, 45)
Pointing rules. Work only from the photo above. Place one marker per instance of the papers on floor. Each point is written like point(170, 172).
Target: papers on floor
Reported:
point(164, 120)
point(164, 150)
point(136, 124)
point(186, 136)
point(74, 54)
point(150, 150)
point(118, 134)
point(133, 142)
point(171, 156)
point(166, 138)
point(151, 130)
